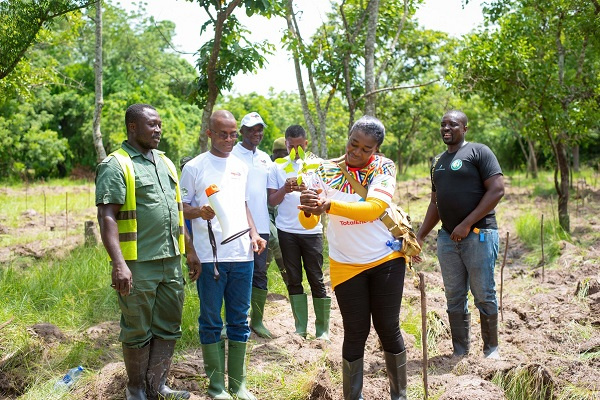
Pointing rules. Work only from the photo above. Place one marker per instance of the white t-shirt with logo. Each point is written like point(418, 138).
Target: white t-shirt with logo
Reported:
point(230, 175)
point(259, 164)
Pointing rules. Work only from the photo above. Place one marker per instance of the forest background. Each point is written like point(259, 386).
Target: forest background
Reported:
point(528, 78)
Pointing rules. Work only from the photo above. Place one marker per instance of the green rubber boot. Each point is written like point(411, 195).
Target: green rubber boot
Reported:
point(236, 370)
point(257, 302)
point(214, 366)
point(322, 308)
point(299, 305)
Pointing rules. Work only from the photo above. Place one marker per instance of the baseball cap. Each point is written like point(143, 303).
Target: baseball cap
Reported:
point(252, 119)
point(279, 144)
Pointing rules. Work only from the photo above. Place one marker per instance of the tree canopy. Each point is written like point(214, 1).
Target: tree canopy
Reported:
point(529, 80)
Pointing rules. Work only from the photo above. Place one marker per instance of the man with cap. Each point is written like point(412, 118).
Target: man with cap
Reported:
point(258, 163)
point(279, 150)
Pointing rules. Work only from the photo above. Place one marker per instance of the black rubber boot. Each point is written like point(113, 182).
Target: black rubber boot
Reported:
point(489, 335)
point(395, 365)
point(460, 328)
point(353, 379)
point(161, 352)
point(136, 365)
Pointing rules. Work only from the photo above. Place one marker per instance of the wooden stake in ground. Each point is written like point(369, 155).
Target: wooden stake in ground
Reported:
point(578, 196)
point(424, 330)
point(44, 192)
point(502, 276)
point(408, 198)
point(543, 261)
point(66, 215)
point(89, 235)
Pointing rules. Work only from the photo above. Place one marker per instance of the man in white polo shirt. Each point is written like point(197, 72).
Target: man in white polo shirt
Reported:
point(259, 163)
point(301, 248)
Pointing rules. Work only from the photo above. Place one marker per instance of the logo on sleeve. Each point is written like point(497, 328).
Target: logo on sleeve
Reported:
point(456, 164)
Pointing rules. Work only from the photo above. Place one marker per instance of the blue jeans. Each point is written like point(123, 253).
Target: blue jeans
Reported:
point(234, 286)
point(469, 264)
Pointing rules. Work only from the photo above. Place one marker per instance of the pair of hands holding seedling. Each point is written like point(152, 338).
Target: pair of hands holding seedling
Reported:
point(311, 202)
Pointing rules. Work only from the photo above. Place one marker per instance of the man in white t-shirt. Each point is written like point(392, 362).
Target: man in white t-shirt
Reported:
point(226, 268)
point(258, 163)
point(300, 247)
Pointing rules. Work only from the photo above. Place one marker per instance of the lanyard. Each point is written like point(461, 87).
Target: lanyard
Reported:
point(213, 244)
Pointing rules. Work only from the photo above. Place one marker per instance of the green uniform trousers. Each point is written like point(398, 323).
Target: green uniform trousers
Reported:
point(154, 306)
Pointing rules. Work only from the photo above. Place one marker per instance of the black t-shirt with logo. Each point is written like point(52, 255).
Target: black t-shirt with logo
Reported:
point(457, 178)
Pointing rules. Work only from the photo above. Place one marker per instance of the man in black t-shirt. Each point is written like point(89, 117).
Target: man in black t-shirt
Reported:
point(466, 185)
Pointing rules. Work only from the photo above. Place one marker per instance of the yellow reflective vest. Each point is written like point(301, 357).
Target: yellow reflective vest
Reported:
point(127, 218)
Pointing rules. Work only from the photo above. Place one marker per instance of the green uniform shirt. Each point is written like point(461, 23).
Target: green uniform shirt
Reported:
point(156, 207)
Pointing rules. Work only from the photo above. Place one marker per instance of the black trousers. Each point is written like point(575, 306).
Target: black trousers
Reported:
point(303, 250)
point(375, 293)
point(259, 275)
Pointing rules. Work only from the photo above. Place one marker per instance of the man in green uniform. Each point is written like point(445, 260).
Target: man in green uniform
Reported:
point(141, 224)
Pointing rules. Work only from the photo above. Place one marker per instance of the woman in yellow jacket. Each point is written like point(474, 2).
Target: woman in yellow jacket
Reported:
point(367, 276)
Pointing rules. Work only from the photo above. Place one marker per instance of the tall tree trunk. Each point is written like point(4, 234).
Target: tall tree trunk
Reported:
point(560, 150)
point(99, 102)
point(348, 91)
point(562, 186)
point(351, 35)
point(292, 29)
point(202, 137)
point(211, 75)
point(399, 159)
point(529, 154)
point(575, 151)
point(318, 137)
point(532, 160)
point(373, 17)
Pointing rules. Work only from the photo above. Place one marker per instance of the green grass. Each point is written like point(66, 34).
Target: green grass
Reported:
point(529, 231)
point(73, 294)
point(56, 195)
point(570, 392)
point(525, 383)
